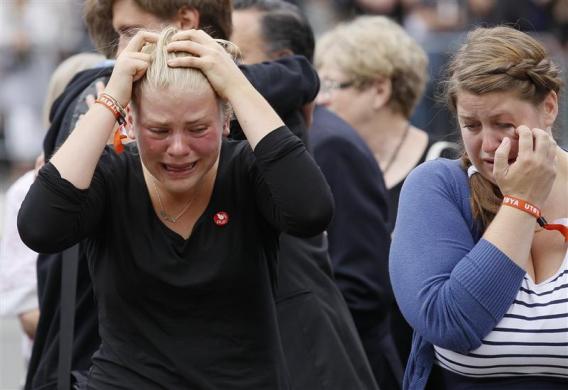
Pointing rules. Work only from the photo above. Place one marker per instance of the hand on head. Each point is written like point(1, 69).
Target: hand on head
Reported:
point(130, 66)
point(531, 175)
point(208, 56)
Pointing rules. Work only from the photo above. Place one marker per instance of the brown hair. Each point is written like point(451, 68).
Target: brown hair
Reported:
point(498, 59)
point(214, 17)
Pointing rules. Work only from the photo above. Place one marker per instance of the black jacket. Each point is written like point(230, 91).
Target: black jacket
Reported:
point(359, 239)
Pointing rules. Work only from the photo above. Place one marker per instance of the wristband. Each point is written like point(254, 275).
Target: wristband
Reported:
point(119, 114)
point(113, 105)
point(531, 209)
point(522, 205)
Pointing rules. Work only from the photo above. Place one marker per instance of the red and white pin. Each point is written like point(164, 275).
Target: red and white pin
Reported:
point(221, 218)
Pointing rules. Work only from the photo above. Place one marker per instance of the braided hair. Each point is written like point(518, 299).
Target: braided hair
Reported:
point(498, 59)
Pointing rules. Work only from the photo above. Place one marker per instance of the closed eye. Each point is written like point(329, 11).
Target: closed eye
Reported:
point(198, 130)
point(158, 131)
point(505, 125)
point(471, 126)
point(127, 31)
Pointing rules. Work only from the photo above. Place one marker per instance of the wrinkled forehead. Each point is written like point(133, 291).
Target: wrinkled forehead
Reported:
point(175, 103)
point(491, 104)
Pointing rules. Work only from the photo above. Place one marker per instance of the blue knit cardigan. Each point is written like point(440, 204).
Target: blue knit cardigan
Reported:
point(452, 286)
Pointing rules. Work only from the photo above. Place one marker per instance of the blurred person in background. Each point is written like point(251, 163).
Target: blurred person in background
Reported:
point(477, 269)
point(18, 281)
point(373, 74)
point(394, 9)
point(266, 30)
point(426, 19)
point(34, 36)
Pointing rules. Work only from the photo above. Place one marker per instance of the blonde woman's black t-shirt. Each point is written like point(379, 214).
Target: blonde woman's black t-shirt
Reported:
point(176, 313)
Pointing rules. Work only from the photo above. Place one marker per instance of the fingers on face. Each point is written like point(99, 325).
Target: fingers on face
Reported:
point(544, 143)
point(501, 157)
point(526, 143)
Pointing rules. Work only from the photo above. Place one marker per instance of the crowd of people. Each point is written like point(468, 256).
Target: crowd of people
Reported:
point(226, 201)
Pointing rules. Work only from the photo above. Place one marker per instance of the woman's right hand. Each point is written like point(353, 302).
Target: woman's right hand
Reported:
point(130, 66)
point(531, 175)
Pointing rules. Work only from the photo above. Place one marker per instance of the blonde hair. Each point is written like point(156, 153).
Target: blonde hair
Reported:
point(63, 74)
point(161, 76)
point(499, 59)
point(374, 46)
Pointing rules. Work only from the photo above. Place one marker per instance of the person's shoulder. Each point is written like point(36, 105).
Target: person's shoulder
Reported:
point(440, 171)
point(441, 177)
point(439, 165)
point(327, 125)
point(330, 131)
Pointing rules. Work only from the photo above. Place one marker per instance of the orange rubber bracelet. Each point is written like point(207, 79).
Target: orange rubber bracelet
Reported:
point(522, 205)
point(111, 105)
point(118, 112)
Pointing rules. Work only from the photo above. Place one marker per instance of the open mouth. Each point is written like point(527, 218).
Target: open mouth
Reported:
point(179, 169)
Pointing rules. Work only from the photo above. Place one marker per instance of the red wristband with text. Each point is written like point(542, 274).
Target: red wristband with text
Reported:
point(527, 207)
point(522, 205)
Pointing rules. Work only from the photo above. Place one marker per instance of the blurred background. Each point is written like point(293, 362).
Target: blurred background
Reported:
point(36, 35)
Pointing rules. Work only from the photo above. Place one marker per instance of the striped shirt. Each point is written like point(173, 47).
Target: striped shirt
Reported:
point(531, 339)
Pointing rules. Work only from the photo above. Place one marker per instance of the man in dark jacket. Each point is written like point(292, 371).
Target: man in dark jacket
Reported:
point(359, 239)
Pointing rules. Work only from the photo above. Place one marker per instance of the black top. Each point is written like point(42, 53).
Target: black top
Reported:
point(175, 313)
point(451, 151)
point(323, 351)
point(287, 83)
point(359, 238)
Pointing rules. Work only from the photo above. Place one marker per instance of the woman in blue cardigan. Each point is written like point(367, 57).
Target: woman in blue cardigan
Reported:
point(477, 270)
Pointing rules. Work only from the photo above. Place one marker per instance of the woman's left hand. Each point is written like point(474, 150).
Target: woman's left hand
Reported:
point(210, 57)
